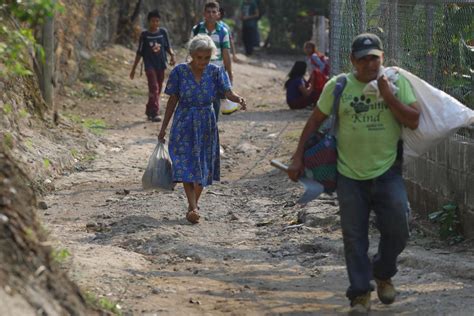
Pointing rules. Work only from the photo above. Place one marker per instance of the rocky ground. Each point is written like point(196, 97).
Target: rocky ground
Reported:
point(249, 255)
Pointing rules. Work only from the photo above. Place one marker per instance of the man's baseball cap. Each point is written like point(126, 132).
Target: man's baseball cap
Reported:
point(366, 44)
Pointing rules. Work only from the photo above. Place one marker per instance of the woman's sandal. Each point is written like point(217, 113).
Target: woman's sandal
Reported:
point(192, 216)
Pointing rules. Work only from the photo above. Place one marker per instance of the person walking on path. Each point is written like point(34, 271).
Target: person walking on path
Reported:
point(249, 14)
point(233, 49)
point(152, 47)
point(220, 35)
point(369, 173)
point(194, 139)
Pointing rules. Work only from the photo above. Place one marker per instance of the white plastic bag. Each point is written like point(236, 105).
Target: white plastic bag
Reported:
point(158, 174)
point(441, 115)
point(228, 107)
point(372, 88)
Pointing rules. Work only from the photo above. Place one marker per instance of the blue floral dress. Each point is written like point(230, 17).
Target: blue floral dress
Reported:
point(194, 138)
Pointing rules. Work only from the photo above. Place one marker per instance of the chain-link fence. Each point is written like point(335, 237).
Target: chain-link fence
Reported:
point(432, 39)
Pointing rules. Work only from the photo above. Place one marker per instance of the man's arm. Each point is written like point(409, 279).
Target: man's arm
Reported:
point(172, 56)
point(232, 48)
point(135, 63)
point(296, 168)
point(227, 63)
point(169, 50)
point(138, 56)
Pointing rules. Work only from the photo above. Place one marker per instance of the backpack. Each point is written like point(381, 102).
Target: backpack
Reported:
point(320, 149)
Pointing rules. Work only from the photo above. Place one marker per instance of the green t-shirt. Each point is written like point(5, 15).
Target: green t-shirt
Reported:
point(368, 132)
point(221, 38)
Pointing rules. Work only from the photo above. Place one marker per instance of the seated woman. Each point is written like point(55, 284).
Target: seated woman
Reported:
point(318, 66)
point(194, 139)
point(299, 94)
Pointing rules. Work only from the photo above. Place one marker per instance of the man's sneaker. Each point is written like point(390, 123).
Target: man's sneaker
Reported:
point(360, 305)
point(155, 119)
point(386, 291)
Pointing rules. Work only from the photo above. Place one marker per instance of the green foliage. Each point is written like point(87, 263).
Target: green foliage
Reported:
point(28, 143)
point(46, 163)
point(291, 24)
point(30, 234)
point(448, 221)
point(60, 255)
point(264, 27)
point(75, 153)
point(89, 157)
point(230, 23)
point(90, 90)
point(7, 108)
point(13, 56)
point(23, 113)
point(17, 41)
point(33, 12)
point(102, 303)
point(96, 126)
point(7, 140)
point(454, 57)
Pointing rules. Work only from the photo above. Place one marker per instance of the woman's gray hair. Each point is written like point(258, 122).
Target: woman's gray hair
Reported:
point(202, 42)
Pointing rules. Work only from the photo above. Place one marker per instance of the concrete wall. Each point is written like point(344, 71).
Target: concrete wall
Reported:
point(445, 174)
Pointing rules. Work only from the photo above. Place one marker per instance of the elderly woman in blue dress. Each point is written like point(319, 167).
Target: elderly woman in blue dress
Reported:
point(194, 139)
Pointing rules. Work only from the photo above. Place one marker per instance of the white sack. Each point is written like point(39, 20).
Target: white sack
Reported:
point(441, 115)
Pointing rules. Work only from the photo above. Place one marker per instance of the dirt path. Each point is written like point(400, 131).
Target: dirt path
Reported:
point(136, 248)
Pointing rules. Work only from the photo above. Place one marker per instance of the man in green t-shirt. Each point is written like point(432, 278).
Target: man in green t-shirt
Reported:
point(369, 169)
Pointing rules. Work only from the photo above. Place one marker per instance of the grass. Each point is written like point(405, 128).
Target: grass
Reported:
point(292, 136)
point(7, 140)
point(23, 113)
point(30, 234)
point(75, 153)
point(102, 303)
point(46, 163)
point(89, 157)
point(28, 143)
point(82, 157)
point(90, 90)
point(7, 108)
point(61, 255)
point(95, 126)
point(448, 221)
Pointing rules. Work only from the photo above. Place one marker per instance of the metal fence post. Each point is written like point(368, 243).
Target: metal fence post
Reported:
point(393, 31)
point(322, 34)
point(335, 36)
point(429, 10)
point(363, 16)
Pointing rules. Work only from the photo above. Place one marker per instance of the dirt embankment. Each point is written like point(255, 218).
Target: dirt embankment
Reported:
point(31, 281)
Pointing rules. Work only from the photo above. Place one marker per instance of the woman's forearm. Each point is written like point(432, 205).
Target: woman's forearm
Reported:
point(170, 107)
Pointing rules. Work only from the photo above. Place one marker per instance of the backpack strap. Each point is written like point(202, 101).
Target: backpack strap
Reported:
point(337, 93)
point(196, 28)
